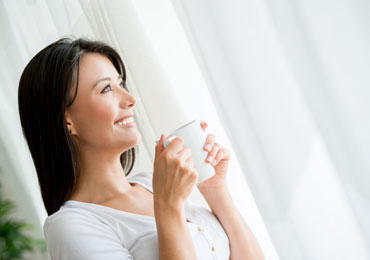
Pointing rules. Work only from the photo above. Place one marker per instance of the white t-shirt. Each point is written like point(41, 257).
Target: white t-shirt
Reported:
point(87, 231)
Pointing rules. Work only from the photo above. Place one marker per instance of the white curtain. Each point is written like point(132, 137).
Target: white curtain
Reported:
point(290, 80)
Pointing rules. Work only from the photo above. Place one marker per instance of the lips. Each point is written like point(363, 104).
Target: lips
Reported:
point(122, 118)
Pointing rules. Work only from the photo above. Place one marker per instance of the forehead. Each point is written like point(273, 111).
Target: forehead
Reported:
point(94, 66)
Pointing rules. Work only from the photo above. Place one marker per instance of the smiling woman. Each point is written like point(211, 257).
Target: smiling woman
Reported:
point(59, 108)
point(78, 119)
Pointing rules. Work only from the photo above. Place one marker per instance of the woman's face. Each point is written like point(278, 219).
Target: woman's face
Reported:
point(101, 100)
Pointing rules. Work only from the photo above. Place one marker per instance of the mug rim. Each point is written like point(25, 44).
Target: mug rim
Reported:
point(172, 132)
point(183, 126)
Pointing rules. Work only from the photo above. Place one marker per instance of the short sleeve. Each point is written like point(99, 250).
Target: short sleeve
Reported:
point(75, 236)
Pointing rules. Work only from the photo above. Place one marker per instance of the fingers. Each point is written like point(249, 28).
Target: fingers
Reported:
point(212, 154)
point(222, 153)
point(190, 162)
point(210, 140)
point(176, 145)
point(159, 147)
point(185, 153)
point(215, 151)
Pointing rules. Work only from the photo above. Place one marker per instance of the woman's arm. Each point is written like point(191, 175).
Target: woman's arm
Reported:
point(243, 244)
point(174, 238)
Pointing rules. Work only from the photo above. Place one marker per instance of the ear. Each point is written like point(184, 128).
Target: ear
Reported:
point(69, 122)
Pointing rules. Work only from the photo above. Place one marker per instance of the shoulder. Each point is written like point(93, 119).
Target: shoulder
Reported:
point(68, 215)
point(67, 222)
point(73, 233)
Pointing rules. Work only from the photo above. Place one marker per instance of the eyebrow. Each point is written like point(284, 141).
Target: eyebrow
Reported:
point(107, 78)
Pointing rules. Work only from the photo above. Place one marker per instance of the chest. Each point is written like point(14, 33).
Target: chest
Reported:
point(141, 204)
point(141, 238)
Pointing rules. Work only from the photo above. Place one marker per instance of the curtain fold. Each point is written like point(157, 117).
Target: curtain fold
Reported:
point(290, 82)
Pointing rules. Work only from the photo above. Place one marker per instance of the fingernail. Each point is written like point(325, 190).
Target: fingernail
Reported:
point(209, 158)
point(214, 161)
point(207, 147)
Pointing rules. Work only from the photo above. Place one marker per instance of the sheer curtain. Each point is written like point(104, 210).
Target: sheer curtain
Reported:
point(290, 80)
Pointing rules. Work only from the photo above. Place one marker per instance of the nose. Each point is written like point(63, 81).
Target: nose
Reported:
point(126, 99)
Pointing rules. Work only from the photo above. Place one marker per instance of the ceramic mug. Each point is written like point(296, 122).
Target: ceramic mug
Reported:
point(195, 138)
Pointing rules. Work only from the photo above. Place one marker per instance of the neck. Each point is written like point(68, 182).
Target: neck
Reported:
point(101, 178)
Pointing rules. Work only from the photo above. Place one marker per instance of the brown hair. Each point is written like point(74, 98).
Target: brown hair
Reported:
point(43, 97)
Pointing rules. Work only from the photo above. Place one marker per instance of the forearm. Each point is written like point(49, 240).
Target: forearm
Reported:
point(174, 238)
point(243, 244)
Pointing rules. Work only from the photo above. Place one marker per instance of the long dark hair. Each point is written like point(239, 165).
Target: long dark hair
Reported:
point(43, 98)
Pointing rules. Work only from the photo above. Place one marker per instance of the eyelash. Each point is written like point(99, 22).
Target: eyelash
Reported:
point(122, 83)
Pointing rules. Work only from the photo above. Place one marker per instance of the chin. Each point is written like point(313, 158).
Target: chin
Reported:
point(128, 144)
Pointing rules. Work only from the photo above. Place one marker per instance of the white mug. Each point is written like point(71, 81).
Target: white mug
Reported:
point(194, 138)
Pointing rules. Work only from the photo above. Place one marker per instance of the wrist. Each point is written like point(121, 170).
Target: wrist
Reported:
point(214, 194)
point(219, 200)
point(167, 216)
point(165, 208)
point(211, 185)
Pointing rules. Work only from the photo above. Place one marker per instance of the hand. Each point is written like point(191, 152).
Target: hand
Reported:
point(174, 175)
point(220, 161)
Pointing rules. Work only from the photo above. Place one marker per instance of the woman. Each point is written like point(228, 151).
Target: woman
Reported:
point(77, 117)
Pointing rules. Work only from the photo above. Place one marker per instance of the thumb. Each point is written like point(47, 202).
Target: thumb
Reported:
point(159, 147)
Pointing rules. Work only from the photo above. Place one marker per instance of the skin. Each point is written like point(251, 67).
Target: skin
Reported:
point(91, 119)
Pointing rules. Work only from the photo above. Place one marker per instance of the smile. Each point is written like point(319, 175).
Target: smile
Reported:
point(126, 122)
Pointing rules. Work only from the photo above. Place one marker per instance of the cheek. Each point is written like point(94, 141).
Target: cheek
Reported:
point(97, 115)
point(103, 112)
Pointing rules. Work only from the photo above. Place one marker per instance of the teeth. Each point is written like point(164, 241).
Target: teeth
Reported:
point(126, 121)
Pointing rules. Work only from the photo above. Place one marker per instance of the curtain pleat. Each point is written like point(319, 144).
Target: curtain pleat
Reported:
point(290, 81)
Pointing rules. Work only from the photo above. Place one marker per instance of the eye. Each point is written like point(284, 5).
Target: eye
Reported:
point(105, 88)
point(123, 84)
